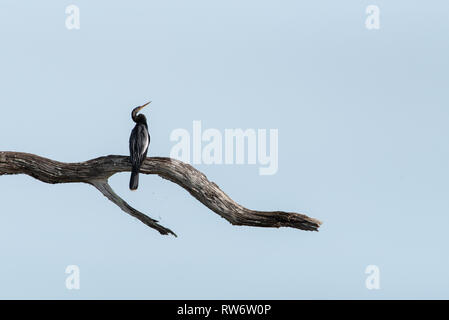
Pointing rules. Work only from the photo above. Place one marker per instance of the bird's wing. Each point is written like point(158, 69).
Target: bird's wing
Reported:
point(138, 145)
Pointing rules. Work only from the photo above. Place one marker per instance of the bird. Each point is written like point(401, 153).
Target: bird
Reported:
point(139, 142)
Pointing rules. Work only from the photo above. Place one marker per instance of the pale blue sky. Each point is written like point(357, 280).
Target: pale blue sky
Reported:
point(363, 131)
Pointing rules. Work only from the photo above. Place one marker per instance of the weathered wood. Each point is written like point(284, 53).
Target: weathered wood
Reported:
point(97, 171)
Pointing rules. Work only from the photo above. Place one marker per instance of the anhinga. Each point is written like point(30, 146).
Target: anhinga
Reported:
point(138, 145)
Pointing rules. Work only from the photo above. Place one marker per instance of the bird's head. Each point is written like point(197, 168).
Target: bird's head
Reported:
point(139, 118)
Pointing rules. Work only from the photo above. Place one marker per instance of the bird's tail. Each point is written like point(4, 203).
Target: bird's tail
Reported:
point(134, 182)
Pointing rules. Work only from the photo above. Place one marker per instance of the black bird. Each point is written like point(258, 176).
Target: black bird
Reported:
point(138, 145)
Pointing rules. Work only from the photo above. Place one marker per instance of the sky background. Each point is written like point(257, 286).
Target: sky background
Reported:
point(363, 146)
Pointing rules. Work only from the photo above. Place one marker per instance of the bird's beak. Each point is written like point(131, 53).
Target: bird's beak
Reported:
point(143, 106)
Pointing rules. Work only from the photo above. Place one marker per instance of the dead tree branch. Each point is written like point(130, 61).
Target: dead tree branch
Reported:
point(97, 171)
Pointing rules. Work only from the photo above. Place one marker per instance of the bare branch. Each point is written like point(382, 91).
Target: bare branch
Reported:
point(104, 187)
point(97, 171)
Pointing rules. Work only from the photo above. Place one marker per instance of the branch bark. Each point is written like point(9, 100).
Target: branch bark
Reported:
point(96, 172)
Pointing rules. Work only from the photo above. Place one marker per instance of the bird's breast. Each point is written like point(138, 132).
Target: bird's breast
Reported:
point(146, 143)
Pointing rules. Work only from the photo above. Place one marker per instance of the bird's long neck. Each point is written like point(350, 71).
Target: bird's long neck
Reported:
point(134, 116)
